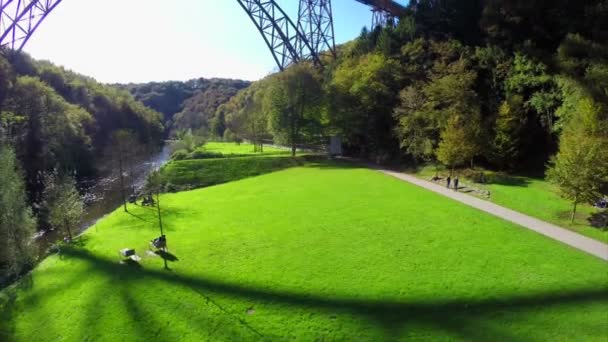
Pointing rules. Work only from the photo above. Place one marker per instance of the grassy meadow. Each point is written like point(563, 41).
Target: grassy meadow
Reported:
point(240, 150)
point(198, 173)
point(221, 162)
point(323, 251)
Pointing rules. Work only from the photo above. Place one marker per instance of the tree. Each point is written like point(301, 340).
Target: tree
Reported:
point(189, 141)
point(530, 79)
point(580, 168)
point(5, 80)
point(154, 185)
point(414, 128)
point(16, 221)
point(457, 146)
point(62, 203)
point(53, 132)
point(509, 128)
point(294, 103)
point(123, 149)
point(361, 98)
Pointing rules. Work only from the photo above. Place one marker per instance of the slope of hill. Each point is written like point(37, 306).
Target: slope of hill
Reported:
point(189, 104)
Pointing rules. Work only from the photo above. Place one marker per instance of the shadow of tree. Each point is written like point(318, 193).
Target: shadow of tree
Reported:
point(508, 180)
point(599, 220)
point(166, 255)
point(469, 319)
point(149, 216)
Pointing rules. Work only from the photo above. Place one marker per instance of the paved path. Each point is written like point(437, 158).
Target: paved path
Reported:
point(568, 237)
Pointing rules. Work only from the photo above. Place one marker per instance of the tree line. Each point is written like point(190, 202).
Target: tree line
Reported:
point(186, 105)
point(509, 85)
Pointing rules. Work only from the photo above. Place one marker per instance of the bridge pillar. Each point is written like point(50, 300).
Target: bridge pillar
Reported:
point(316, 24)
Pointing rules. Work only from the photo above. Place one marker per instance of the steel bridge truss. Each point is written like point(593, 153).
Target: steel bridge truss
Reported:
point(286, 43)
point(382, 18)
point(308, 39)
point(316, 24)
point(20, 18)
point(384, 12)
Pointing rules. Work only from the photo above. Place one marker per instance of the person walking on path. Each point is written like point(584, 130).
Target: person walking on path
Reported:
point(456, 183)
point(449, 180)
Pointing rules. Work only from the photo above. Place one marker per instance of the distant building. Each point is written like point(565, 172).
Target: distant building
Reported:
point(335, 146)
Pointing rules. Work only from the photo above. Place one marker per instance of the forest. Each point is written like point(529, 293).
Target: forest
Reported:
point(514, 86)
point(186, 105)
point(56, 129)
point(501, 81)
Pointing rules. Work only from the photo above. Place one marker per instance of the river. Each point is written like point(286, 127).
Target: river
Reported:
point(103, 195)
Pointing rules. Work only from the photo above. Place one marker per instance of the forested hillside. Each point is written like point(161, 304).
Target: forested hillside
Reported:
point(459, 82)
point(56, 118)
point(186, 105)
point(56, 126)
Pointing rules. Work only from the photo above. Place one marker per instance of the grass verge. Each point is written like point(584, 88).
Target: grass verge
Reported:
point(535, 197)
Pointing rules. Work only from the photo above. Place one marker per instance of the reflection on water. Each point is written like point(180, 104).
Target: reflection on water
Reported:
point(103, 195)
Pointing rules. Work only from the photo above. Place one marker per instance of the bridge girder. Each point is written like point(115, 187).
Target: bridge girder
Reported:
point(384, 12)
point(19, 19)
point(381, 18)
point(281, 35)
point(289, 43)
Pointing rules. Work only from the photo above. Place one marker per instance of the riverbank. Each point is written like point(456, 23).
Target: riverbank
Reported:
point(103, 195)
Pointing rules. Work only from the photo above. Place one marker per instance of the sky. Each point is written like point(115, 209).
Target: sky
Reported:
point(121, 41)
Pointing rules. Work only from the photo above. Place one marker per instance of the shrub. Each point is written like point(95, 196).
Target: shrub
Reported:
point(198, 154)
point(179, 155)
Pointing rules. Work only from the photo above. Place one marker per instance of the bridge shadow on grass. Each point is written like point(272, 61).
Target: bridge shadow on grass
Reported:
point(472, 320)
point(333, 164)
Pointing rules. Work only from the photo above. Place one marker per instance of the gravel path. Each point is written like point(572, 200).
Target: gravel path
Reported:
point(568, 237)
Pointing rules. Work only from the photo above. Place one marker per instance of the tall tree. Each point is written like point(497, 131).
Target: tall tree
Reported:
point(294, 103)
point(457, 145)
point(17, 224)
point(361, 96)
point(509, 128)
point(63, 204)
point(123, 149)
point(154, 185)
point(580, 168)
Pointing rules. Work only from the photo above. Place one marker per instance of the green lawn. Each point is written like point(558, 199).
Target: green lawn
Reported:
point(197, 173)
point(538, 198)
point(320, 252)
point(238, 150)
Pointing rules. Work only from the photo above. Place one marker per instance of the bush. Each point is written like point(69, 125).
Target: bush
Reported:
point(198, 154)
point(599, 220)
point(180, 155)
point(475, 175)
point(229, 135)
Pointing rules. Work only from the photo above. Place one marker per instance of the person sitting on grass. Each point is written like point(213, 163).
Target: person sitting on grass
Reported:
point(148, 201)
point(160, 242)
